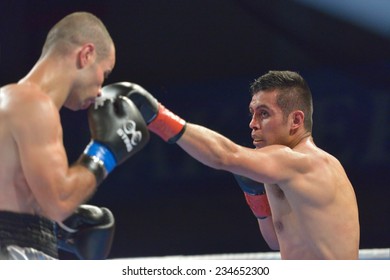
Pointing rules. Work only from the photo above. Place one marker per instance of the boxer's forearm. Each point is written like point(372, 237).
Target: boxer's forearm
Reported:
point(208, 147)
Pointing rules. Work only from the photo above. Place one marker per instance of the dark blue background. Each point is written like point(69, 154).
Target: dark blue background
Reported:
point(198, 58)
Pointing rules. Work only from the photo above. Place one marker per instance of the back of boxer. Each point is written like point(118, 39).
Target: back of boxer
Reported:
point(38, 187)
point(313, 210)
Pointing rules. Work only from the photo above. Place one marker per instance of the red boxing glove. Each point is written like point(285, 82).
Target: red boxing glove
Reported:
point(255, 196)
point(259, 205)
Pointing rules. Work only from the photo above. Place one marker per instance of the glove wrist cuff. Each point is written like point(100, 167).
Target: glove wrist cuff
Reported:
point(98, 159)
point(101, 153)
point(94, 165)
point(167, 125)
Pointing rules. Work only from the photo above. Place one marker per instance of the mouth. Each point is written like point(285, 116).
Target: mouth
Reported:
point(86, 104)
point(258, 140)
point(258, 143)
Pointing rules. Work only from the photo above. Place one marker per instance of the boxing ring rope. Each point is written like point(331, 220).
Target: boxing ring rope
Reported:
point(364, 254)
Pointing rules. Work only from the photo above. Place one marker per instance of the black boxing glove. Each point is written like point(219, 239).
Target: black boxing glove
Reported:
point(160, 120)
point(118, 131)
point(88, 233)
point(255, 196)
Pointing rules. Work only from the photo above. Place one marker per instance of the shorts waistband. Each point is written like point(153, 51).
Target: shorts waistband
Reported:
point(26, 230)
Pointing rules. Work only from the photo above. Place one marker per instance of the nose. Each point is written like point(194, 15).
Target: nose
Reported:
point(253, 124)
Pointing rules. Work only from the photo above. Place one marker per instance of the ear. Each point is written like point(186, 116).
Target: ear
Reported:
point(86, 55)
point(297, 119)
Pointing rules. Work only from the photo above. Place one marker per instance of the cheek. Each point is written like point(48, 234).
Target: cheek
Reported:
point(96, 77)
point(268, 124)
point(272, 127)
point(100, 78)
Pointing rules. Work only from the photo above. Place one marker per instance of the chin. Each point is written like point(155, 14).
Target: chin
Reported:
point(72, 108)
point(259, 146)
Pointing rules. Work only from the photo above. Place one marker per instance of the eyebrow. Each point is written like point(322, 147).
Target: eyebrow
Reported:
point(258, 107)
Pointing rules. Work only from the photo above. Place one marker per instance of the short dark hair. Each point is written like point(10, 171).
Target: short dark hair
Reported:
point(293, 93)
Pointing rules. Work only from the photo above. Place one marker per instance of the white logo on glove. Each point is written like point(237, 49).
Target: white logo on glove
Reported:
point(129, 129)
point(99, 101)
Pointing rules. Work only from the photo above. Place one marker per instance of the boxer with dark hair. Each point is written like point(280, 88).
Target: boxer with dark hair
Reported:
point(38, 187)
point(302, 198)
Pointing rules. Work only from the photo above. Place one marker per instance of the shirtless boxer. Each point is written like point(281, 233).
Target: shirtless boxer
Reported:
point(307, 207)
point(38, 187)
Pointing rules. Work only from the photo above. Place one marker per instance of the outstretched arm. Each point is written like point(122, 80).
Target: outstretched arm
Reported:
point(216, 151)
point(206, 145)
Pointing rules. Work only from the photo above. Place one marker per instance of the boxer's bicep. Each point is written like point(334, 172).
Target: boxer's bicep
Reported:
point(38, 135)
point(272, 164)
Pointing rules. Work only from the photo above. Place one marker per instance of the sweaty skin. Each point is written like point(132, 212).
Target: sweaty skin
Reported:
point(35, 176)
point(313, 204)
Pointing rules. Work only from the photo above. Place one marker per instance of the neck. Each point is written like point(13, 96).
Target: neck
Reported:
point(49, 75)
point(303, 136)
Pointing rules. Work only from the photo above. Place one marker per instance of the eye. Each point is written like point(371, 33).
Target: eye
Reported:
point(264, 114)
